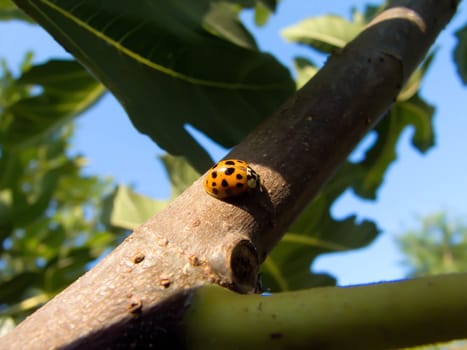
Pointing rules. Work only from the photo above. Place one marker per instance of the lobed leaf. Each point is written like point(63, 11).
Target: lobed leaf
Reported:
point(169, 65)
point(315, 232)
point(371, 170)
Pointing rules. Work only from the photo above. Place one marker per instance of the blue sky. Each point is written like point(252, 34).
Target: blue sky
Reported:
point(415, 185)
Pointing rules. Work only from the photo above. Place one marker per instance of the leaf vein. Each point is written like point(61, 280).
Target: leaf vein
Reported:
point(145, 61)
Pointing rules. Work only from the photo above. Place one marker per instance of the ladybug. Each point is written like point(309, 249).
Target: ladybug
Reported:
point(231, 178)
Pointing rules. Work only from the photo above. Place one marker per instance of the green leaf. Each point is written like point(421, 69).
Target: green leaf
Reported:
point(222, 20)
point(418, 113)
point(167, 70)
point(29, 205)
point(49, 211)
point(99, 242)
point(305, 70)
point(12, 288)
point(262, 15)
point(6, 223)
point(271, 5)
point(7, 324)
point(66, 90)
point(127, 209)
point(9, 11)
point(438, 245)
point(263, 10)
point(460, 53)
point(323, 33)
point(315, 232)
point(64, 270)
point(180, 172)
point(370, 172)
point(10, 90)
point(32, 174)
point(412, 86)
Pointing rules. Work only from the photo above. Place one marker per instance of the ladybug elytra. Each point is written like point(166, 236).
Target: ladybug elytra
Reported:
point(231, 178)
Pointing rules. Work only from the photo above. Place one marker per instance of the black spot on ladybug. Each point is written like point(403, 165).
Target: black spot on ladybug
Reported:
point(231, 177)
point(276, 335)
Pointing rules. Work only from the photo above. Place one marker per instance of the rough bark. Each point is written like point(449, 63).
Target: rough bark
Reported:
point(137, 294)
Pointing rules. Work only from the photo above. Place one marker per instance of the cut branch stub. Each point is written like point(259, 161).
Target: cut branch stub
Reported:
point(244, 264)
point(235, 263)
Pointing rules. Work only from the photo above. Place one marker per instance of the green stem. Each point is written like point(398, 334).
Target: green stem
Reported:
point(377, 316)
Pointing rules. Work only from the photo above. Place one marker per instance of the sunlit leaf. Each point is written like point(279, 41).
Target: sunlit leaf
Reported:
point(412, 86)
point(6, 223)
point(264, 9)
point(10, 90)
point(7, 324)
point(324, 33)
point(181, 173)
point(305, 70)
point(128, 209)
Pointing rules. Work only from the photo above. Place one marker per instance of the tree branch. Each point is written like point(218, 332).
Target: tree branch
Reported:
point(198, 239)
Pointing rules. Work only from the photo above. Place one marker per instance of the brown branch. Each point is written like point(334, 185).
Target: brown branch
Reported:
point(137, 293)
